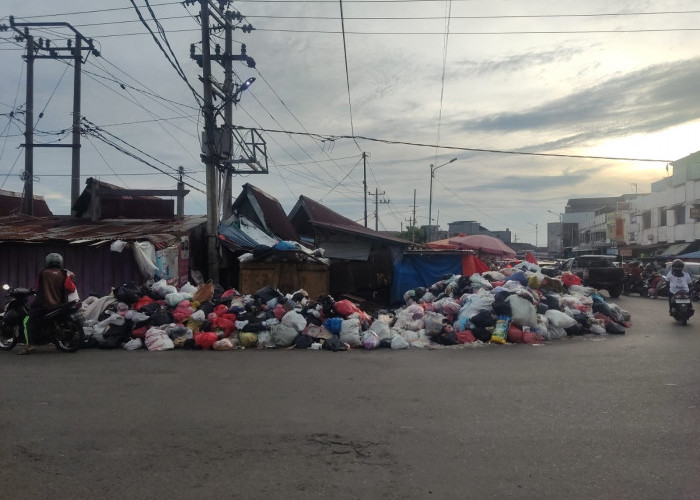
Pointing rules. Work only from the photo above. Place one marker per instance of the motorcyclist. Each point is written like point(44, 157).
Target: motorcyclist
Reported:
point(634, 275)
point(678, 281)
point(53, 286)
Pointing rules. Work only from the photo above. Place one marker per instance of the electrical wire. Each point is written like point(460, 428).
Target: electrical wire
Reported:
point(462, 148)
point(448, 9)
point(347, 72)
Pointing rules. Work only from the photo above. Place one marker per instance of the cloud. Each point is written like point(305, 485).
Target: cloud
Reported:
point(648, 100)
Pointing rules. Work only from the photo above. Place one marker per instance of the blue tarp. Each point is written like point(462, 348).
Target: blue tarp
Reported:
point(237, 237)
point(422, 270)
point(691, 255)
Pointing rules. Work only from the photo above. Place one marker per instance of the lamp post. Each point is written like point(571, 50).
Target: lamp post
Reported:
point(433, 168)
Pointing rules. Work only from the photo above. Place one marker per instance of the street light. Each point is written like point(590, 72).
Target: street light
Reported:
point(554, 213)
point(433, 168)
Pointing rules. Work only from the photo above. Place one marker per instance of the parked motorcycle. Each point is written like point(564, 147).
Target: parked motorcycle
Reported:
point(657, 286)
point(695, 290)
point(681, 307)
point(60, 325)
point(638, 285)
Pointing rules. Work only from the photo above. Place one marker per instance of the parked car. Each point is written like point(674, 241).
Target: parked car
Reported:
point(597, 271)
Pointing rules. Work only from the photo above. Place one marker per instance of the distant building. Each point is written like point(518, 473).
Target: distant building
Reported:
point(11, 203)
point(473, 227)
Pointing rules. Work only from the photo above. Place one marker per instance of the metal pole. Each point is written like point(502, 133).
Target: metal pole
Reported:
point(228, 116)
point(376, 209)
point(209, 148)
point(75, 170)
point(180, 195)
point(28, 207)
point(430, 206)
point(364, 183)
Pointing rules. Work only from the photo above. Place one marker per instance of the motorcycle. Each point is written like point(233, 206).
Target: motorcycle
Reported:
point(638, 285)
point(657, 286)
point(61, 325)
point(681, 307)
point(695, 290)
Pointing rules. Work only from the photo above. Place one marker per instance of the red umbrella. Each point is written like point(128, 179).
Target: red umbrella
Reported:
point(484, 244)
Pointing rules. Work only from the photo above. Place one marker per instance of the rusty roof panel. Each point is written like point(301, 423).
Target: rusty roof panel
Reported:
point(66, 228)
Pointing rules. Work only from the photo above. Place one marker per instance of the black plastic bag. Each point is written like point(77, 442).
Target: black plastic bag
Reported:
point(127, 293)
point(303, 341)
point(334, 344)
point(614, 329)
point(501, 307)
point(481, 333)
point(483, 319)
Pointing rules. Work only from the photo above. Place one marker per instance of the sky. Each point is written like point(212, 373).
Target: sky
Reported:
point(538, 101)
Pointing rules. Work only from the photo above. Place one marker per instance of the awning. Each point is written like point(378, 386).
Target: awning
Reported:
point(675, 249)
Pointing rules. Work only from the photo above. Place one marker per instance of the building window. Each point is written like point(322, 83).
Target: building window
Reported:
point(662, 217)
point(680, 215)
point(646, 220)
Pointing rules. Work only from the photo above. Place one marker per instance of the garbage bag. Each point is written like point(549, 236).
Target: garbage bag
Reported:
point(333, 325)
point(559, 319)
point(480, 301)
point(158, 340)
point(483, 319)
point(222, 345)
point(334, 344)
point(295, 320)
point(205, 340)
point(248, 339)
point(134, 345)
point(481, 334)
point(523, 311)
point(370, 340)
point(381, 328)
point(465, 337)
point(614, 329)
point(350, 332)
point(398, 342)
point(283, 335)
point(303, 341)
point(433, 323)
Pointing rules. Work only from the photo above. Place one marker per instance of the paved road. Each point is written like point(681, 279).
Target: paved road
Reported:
point(613, 417)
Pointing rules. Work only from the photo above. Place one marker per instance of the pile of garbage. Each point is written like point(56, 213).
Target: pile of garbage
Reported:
point(513, 305)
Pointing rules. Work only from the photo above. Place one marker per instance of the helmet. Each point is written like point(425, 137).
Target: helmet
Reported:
point(677, 264)
point(54, 260)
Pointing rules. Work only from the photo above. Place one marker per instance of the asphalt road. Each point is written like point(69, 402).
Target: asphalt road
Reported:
point(610, 417)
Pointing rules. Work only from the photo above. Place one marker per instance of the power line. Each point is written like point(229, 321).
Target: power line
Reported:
point(461, 148)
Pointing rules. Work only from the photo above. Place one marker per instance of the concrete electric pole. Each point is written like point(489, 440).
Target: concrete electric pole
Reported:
point(45, 49)
point(218, 142)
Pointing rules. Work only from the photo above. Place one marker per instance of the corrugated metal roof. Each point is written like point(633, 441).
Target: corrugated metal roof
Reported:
point(66, 228)
point(11, 203)
point(272, 216)
point(322, 216)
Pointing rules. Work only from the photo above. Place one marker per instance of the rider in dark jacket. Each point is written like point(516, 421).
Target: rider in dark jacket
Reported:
point(53, 286)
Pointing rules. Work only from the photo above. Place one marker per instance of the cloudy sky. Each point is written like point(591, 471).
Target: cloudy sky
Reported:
point(489, 83)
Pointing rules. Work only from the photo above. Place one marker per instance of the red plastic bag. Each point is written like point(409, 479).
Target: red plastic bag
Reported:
point(570, 279)
point(465, 337)
point(515, 335)
point(143, 301)
point(205, 339)
point(345, 308)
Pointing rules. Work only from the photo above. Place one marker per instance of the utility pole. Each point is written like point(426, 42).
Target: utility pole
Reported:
point(217, 143)
point(364, 182)
point(208, 156)
point(376, 195)
point(44, 49)
point(414, 216)
point(181, 194)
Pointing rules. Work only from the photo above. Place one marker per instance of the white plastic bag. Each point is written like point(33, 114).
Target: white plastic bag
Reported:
point(560, 319)
point(283, 335)
point(381, 328)
point(350, 332)
point(523, 311)
point(370, 340)
point(134, 345)
point(295, 320)
point(157, 340)
point(398, 342)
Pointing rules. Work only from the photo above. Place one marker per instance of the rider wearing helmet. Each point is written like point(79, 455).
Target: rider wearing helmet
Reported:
point(678, 280)
point(53, 286)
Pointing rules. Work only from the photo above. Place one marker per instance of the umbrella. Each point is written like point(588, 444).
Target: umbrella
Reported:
point(484, 244)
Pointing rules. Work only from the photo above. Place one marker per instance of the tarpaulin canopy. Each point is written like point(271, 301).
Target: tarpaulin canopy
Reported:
point(483, 243)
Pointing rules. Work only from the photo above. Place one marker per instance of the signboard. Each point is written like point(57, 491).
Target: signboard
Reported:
point(626, 252)
point(624, 206)
point(611, 251)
